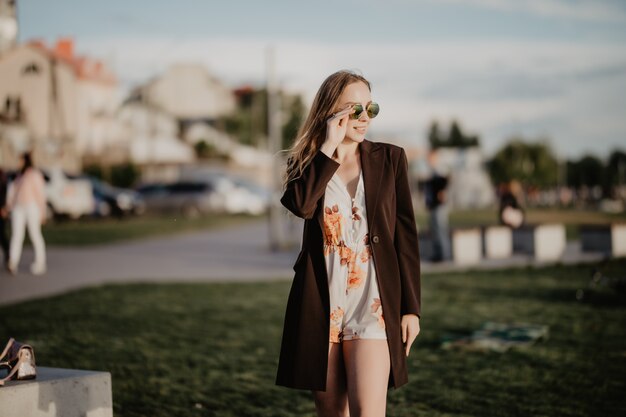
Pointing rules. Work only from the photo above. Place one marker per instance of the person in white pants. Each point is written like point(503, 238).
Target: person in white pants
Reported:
point(27, 204)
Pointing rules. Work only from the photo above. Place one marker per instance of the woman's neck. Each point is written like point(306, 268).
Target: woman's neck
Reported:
point(347, 149)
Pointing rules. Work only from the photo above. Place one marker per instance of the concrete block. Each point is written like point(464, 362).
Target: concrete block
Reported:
point(497, 242)
point(59, 392)
point(466, 246)
point(609, 239)
point(618, 239)
point(546, 242)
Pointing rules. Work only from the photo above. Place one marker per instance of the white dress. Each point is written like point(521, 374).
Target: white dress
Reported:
point(355, 307)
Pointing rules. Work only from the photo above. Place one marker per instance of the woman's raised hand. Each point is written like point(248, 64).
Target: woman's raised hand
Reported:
point(336, 127)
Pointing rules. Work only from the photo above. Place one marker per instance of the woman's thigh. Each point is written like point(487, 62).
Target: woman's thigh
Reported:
point(333, 401)
point(33, 221)
point(367, 371)
point(18, 221)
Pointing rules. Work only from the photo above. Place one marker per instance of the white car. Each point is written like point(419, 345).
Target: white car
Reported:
point(238, 196)
point(71, 197)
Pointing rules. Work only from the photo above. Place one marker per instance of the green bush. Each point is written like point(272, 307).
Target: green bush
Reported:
point(124, 175)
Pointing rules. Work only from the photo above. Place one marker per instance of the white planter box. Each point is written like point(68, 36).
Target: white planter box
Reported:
point(546, 242)
point(466, 246)
point(498, 242)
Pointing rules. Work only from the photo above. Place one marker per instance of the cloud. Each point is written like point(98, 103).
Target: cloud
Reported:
point(569, 92)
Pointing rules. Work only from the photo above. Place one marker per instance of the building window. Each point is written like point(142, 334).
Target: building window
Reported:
point(31, 68)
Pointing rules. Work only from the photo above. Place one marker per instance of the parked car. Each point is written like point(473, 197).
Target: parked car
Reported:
point(115, 201)
point(67, 195)
point(189, 198)
point(238, 195)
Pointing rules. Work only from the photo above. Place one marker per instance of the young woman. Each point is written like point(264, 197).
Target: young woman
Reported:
point(354, 307)
point(27, 204)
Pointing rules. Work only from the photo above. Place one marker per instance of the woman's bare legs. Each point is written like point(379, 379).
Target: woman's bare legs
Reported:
point(334, 401)
point(367, 370)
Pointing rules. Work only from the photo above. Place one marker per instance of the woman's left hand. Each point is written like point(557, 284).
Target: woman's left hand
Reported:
point(410, 329)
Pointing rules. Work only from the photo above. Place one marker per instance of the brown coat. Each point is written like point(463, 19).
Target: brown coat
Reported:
point(393, 235)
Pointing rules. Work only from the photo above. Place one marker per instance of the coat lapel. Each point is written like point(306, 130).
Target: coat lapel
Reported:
point(371, 164)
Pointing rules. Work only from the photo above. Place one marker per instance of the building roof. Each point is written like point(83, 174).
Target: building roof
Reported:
point(84, 68)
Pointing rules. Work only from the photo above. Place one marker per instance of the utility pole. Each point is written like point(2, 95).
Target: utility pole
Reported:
point(276, 237)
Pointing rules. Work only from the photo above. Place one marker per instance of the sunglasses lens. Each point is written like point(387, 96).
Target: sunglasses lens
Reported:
point(372, 110)
point(358, 109)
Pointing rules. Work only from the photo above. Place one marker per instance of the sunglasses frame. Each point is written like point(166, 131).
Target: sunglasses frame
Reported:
point(358, 113)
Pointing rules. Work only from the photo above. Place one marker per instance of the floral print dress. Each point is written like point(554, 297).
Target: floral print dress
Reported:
point(355, 307)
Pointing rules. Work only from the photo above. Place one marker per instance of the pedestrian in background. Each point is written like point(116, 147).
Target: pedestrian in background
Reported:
point(354, 307)
point(27, 205)
point(435, 193)
point(4, 214)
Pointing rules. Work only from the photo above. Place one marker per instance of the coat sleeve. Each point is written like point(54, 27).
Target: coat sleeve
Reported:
point(406, 242)
point(302, 194)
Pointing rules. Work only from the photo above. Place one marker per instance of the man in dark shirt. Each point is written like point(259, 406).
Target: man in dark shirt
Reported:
point(435, 194)
point(3, 215)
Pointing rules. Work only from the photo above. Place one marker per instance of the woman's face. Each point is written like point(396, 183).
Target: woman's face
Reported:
point(356, 93)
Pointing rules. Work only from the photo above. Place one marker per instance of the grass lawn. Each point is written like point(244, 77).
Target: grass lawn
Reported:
point(101, 231)
point(212, 349)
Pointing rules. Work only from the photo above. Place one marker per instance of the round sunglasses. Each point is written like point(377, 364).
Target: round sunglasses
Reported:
point(372, 110)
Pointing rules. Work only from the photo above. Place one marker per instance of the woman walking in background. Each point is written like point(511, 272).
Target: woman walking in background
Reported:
point(354, 307)
point(27, 204)
point(4, 241)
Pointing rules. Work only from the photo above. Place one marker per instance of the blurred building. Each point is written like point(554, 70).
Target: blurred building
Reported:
point(65, 103)
point(193, 101)
point(148, 138)
point(190, 93)
point(8, 25)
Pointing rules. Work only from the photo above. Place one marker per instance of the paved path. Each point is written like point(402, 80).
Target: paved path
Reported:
point(238, 253)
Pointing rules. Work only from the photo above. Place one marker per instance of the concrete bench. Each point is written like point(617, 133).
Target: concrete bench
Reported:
point(466, 246)
point(545, 242)
point(609, 239)
point(497, 242)
point(58, 392)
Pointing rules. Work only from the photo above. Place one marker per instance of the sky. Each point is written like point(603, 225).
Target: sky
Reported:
point(543, 70)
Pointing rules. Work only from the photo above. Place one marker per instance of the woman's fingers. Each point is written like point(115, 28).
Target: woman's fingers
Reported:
point(404, 332)
point(341, 114)
point(410, 339)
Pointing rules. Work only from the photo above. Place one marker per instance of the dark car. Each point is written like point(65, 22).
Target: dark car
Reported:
point(115, 201)
point(189, 198)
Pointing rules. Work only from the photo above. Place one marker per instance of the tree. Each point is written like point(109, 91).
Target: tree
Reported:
point(249, 123)
point(294, 117)
point(616, 169)
point(531, 163)
point(434, 136)
point(456, 138)
point(125, 175)
point(588, 171)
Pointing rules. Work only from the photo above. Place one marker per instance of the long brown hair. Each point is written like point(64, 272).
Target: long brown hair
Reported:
point(312, 133)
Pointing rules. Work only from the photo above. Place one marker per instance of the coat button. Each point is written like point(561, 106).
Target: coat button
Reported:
point(375, 239)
